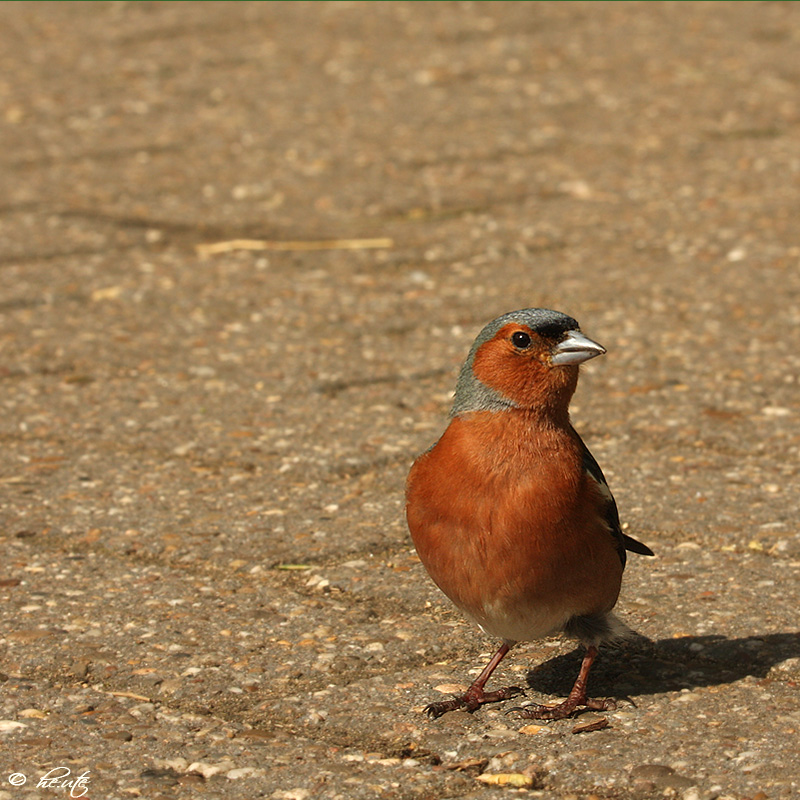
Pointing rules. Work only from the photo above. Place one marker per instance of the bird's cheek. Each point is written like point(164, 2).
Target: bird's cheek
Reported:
point(511, 375)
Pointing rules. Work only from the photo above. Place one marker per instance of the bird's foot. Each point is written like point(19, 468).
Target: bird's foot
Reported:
point(563, 709)
point(471, 700)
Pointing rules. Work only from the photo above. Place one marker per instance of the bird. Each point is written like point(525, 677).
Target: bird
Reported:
point(510, 513)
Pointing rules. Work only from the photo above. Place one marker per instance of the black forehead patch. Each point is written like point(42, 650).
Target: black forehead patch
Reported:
point(556, 328)
point(547, 323)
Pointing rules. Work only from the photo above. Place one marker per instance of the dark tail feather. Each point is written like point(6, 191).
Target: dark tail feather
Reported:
point(635, 546)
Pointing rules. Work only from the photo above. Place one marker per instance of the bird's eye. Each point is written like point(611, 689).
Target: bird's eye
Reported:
point(520, 340)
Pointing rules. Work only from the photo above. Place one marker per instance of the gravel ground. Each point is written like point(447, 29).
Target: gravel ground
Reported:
point(208, 588)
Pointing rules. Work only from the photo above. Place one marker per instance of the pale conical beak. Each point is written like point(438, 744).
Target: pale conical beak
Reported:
point(575, 348)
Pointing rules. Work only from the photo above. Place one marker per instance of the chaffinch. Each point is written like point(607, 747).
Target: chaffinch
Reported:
point(510, 513)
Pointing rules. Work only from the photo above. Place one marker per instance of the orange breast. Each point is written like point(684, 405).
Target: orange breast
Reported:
point(509, 527)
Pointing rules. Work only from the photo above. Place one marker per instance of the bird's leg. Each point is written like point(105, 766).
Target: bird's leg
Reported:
point(576, 699)
point(475, 697)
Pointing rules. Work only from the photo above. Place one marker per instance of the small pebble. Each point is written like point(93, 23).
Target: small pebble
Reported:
point(204, 769)
point(591, 725)
point(11, 725)
point(244, 772)
point(450, 688)
point(659, 776)
point(119, 736)
point(32, 713)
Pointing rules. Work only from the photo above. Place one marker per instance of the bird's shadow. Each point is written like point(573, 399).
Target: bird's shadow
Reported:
point(641, 666)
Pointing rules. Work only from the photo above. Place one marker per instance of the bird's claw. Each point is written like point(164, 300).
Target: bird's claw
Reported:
point(564, 709)
point(435, 710)
point(515, 709)
point(507, 693)
point(471, 701)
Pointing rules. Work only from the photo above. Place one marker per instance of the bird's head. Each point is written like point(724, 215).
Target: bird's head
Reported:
point(525, 359)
